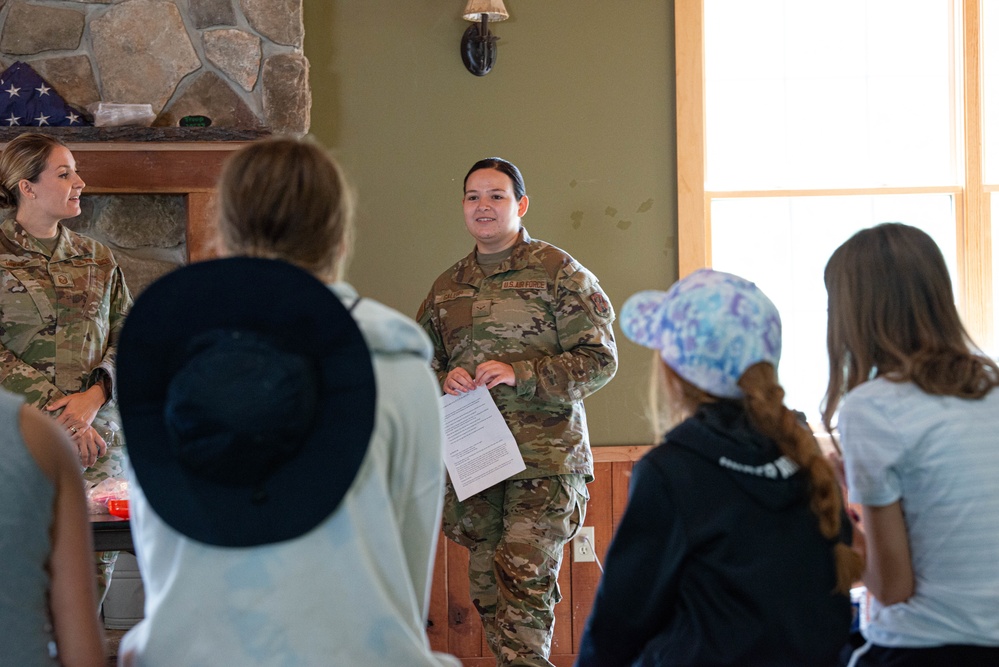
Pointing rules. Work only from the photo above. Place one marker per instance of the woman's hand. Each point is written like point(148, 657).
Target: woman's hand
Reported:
point(458, 381)
point(859, 538)
point(80, 409)
point(90, 445)
point(488, 373)
point(492, 373)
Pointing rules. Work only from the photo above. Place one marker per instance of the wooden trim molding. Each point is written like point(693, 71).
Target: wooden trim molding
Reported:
point(693, 227)
point(974, 226)
point(836, 192)
point(624, 453)
point(151, 168)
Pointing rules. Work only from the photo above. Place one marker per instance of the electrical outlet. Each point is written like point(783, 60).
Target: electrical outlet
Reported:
point(582, 549)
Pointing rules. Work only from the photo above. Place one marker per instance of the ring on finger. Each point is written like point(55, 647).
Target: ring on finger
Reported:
point(73, 430)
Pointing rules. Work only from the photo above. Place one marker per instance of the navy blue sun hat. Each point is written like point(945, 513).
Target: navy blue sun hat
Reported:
point(247, 399)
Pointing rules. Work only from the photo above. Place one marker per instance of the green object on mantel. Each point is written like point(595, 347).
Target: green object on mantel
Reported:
point(195, 121)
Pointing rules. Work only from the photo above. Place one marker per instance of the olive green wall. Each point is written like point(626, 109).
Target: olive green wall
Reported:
point(581, 99)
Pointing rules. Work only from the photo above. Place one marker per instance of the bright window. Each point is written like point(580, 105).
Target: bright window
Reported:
point(801, 122)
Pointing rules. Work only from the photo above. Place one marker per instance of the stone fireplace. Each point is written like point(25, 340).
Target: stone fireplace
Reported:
point(149, 190)
point(150, 202)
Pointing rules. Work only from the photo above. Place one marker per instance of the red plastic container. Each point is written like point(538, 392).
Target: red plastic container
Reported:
point(118, 508)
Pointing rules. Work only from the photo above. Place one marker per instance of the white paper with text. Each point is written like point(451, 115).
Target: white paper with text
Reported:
point(479, 449)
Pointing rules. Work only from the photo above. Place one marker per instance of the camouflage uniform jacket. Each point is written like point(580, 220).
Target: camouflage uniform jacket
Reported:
point(60, 317)
point(544, 314)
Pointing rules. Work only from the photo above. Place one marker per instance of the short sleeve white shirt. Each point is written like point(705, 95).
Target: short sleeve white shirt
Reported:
point(939, 456)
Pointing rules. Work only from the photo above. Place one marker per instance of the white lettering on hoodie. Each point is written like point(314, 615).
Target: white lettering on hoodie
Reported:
point(782, 467)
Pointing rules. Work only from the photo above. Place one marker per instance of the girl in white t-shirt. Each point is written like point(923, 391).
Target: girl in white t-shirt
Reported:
point(919, 426)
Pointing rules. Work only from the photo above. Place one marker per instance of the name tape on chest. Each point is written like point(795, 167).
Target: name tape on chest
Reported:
point(506, 285)
point(456, 294)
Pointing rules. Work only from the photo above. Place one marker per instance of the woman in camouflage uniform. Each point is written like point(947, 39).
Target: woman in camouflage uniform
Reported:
point(62, 303)
point(530, 323)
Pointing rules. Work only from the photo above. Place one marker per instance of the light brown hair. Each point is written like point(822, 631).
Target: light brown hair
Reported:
point(24, 157)
point(671, 398)
point(763, 401)
point(286, 198)
point(892, 314)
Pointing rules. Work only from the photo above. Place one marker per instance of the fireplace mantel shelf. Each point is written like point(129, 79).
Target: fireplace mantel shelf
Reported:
point(151, 168)
point(151, 160)
point(133, 133)
point(154, 161)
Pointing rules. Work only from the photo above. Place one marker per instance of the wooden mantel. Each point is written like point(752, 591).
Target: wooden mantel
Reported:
point(190, 169)
point(155, 160)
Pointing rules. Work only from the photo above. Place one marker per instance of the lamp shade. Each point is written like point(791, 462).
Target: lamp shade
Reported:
point(493, 9)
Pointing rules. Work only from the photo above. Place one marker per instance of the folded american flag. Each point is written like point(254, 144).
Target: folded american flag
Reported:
point(25, 99)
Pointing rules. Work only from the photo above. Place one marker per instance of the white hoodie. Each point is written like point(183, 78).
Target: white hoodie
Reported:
point(355, 590)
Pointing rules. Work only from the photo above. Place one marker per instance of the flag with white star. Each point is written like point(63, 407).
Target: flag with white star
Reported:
point(27, 100)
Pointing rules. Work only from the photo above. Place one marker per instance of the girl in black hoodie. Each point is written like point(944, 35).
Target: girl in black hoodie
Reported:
point(733, 549)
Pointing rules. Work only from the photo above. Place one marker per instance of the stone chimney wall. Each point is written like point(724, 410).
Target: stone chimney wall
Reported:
point(146, 233)
point(239, 62)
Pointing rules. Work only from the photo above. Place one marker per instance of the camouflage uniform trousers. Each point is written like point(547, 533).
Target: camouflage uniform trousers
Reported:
point(516, 532)
point(112, 464)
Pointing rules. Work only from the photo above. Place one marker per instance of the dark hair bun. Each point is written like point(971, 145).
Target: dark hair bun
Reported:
point(7, 198)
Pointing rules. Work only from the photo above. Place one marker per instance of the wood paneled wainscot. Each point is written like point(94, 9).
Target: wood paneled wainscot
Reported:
point(454, 625)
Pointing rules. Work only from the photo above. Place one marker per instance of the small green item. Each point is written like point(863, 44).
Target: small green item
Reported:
point(195, 121)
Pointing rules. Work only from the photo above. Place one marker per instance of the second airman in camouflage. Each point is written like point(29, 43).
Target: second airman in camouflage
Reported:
point(63, 301)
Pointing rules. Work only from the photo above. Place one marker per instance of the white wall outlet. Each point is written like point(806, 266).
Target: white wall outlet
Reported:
point(582, 549)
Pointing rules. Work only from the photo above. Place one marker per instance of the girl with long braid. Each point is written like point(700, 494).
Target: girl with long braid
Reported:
point(735, 547)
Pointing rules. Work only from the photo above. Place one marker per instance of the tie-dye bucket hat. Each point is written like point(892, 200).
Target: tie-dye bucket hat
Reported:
point(708, 327)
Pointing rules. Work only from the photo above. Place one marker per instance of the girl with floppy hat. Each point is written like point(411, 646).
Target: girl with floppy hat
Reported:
point(286, 441)
point(733, 548)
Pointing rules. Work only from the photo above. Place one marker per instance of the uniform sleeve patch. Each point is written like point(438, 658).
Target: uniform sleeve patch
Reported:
point(600, 304)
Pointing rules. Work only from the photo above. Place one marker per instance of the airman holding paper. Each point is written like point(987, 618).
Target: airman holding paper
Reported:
point(530, 323)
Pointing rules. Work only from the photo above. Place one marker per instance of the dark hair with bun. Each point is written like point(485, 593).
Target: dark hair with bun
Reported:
point(504, 167)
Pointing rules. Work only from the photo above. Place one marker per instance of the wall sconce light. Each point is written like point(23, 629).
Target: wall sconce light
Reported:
point(478, 45)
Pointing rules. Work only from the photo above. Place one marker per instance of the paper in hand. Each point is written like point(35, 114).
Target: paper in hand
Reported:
point(479, 448)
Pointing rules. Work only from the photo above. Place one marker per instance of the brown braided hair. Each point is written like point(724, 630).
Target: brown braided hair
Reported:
point(764, 403)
